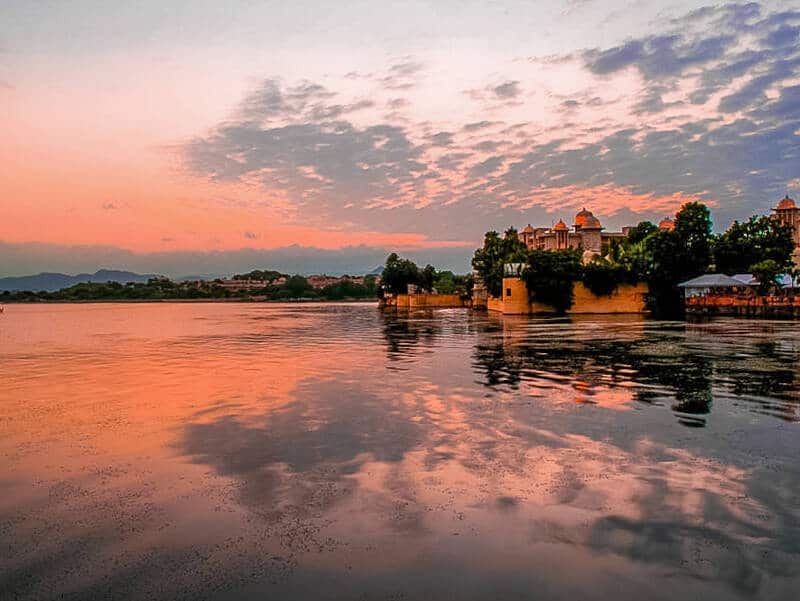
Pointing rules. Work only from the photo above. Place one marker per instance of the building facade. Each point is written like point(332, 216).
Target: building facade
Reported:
point(788, 212)
point(586, 233)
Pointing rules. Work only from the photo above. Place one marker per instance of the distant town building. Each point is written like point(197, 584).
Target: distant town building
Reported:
point(316, 281)
point(242, 284)
point(586, 233)
point(788, 212)
point(321, 281)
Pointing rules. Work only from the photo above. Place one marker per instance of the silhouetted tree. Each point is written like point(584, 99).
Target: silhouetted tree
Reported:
point(399, 273)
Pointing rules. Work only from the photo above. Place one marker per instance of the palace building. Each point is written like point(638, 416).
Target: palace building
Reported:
point(586, 233)
point(787, 211)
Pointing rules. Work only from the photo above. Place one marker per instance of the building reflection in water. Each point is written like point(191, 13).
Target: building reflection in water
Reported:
point(304, 451)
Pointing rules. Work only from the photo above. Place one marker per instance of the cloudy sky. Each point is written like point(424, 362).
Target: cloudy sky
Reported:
point(196, 136)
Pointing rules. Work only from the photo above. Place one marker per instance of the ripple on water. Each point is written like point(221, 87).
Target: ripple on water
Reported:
point(294, 451)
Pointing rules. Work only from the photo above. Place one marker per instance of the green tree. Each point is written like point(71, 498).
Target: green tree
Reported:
point(345, 289)
point(766, 272)
point(602, 278)
point(445, 282)
point(399, 273)
point(427, 278)
point(757, 239)
point(693, 229)
point(296, 287)
point(488, 261)
point(641, 231)
point(550, 276)
point(677, 255)
point(370, 283)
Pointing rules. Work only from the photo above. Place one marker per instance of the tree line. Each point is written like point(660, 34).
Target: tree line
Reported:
point(662, 258)
point(295, 287)
point(399, 274)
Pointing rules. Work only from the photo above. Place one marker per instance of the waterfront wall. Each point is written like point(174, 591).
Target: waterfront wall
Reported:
point(480, 295)
point(494, 303)
point(420, 301)
point(774, 307)
point(625, 299)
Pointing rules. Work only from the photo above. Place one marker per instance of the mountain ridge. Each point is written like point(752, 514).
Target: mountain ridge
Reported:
point(52, 281)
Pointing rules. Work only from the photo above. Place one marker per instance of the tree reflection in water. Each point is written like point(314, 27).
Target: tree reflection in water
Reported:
point(309, 451)
point(659, 362)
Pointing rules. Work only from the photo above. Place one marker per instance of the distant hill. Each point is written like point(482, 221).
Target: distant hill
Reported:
point(56, 281)
point(377, 271)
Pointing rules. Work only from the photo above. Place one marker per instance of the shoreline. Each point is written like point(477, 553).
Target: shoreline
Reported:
point(186, 301)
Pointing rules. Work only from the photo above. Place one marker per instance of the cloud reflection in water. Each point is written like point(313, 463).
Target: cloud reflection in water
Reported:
point(227, 452)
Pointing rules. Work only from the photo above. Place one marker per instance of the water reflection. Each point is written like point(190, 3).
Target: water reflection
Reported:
point(615, 361)
point(300, 451)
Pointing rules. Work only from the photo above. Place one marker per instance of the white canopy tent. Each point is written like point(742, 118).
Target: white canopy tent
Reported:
point(704, 284)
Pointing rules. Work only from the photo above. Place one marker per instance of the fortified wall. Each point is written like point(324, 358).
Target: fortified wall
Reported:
point(515, 301)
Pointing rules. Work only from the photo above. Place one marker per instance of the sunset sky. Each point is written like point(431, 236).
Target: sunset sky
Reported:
point(205, 137)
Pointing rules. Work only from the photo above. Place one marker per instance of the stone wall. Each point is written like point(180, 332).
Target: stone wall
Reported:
point(494, 303)
point(625, 299)
point(515, 297)
point(415, 301)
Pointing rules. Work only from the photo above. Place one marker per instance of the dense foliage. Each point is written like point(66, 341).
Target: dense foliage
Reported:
point(427, 278)
point(602, 277)
point(674, 256)
point(296, 287)
point(641, 231)
point(399, 273)
point(550, 276)
point(344, 290)
point(766, 272)
point(489, 260)
point(753, 241)
point(693, 230)
point(446, 282)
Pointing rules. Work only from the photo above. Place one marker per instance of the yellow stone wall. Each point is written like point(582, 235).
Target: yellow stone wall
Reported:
point(626, 299)
point(515, 297)
point(494, 303)
point(414, 301)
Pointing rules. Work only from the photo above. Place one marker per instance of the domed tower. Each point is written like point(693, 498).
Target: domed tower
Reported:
point(591, 238)
point(788, 212)
point(527, 235)
point(562, 235)
point(581, 218)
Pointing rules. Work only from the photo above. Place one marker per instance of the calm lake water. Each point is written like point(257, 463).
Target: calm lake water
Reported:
point(262, 451)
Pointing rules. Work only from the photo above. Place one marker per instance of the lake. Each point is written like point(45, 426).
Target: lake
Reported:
point(328, 451)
